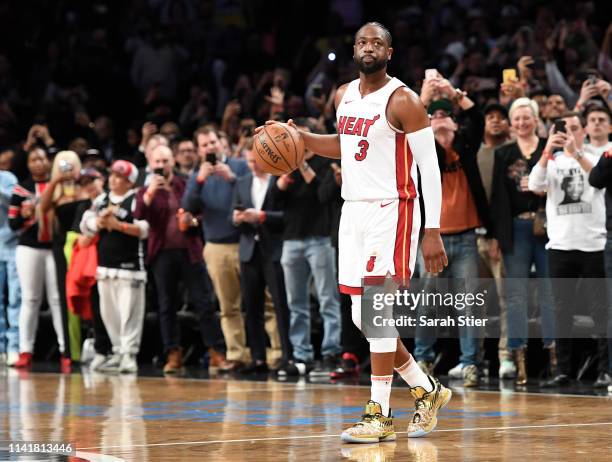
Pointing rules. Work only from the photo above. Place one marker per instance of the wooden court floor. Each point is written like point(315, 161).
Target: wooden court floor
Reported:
point(174, 419)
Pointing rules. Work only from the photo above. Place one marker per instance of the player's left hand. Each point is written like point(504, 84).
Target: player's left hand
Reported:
point(433, 251)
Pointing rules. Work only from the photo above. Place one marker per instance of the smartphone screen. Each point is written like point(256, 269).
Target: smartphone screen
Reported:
point(431, 74)
point(509, 75)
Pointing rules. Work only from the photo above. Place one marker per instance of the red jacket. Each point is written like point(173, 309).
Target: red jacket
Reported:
point(80, 279)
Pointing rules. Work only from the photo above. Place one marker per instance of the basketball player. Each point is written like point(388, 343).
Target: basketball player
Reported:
point(383, 134)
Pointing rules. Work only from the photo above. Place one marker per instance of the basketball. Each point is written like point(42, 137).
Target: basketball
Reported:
point(279, 149)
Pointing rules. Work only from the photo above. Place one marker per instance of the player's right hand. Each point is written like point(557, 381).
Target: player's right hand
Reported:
point(433, 251)
point(270, 122)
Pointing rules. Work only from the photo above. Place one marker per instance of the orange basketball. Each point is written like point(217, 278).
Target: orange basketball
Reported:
point(278, 148)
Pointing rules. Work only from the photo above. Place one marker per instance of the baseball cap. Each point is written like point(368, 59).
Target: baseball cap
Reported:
point(496, 107)
point(443, 104)
point(125, 169)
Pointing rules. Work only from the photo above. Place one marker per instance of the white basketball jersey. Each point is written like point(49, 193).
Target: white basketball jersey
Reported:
point(376, 160)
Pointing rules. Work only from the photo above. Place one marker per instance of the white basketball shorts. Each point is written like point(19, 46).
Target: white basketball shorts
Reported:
point(376, 239)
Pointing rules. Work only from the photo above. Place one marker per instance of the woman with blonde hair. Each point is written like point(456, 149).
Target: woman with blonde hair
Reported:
point(521, 234)
point(62, 198)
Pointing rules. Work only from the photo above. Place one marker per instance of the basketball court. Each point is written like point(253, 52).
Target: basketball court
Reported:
point(111, 418)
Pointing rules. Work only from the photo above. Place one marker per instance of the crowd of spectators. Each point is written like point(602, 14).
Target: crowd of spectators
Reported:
point(126, 140)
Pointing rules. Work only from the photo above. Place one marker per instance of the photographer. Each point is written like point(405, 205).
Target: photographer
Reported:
point(593, 89)
point(210, 191)
point(121, 275)
point(575, 213)
point(464, 206)
point(63, 196)
point(174, 252)
point(38, 136)
point(145, 173)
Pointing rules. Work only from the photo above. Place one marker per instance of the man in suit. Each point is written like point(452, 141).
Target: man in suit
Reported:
point(260, 224)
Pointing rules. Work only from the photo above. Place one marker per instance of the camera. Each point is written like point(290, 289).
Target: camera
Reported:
point(65, 166)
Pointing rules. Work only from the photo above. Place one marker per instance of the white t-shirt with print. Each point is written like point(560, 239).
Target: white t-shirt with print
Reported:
point(575, 211)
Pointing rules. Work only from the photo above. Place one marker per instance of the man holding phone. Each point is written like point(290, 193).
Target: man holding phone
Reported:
point(464, 208)
point(210, 191)
point(575, 213)
point(174, 253)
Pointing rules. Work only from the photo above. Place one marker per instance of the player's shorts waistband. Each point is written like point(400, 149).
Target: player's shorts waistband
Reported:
point(377, 200)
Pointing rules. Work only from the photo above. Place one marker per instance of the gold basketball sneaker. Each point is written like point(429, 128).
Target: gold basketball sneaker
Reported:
point(427, 404)
point(373, 427)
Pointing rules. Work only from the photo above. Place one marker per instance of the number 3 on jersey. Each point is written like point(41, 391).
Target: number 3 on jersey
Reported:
point(363, 152)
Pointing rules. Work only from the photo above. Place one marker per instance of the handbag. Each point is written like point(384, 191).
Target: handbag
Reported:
point(539, 222)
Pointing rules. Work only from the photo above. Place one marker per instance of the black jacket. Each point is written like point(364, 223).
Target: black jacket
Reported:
point(330, 194)
point(601, 177)
point(269, 232)
point(501, 206)
point(305, 215)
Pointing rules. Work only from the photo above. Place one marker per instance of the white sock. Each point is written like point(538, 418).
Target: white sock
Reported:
point(381, 391)
point(413, 375)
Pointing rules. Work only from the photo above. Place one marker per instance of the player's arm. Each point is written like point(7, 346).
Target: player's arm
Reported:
point(406, 112)
point(326, 145)
point(323, 145)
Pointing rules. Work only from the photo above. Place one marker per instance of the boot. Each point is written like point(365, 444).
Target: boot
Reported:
point(521, 366)
point(216, 359)
point(174, 361)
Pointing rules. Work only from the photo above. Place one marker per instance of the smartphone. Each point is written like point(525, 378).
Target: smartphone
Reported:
point(159, 171)
point(211, 158)
point(431, 74)
point(592, 79)
point(239, 208)
point(560, 126)
point(509, 75)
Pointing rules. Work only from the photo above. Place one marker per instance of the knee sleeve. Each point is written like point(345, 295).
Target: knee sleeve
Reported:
point(383, 345)
point(377, 345)
point(356, 310)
